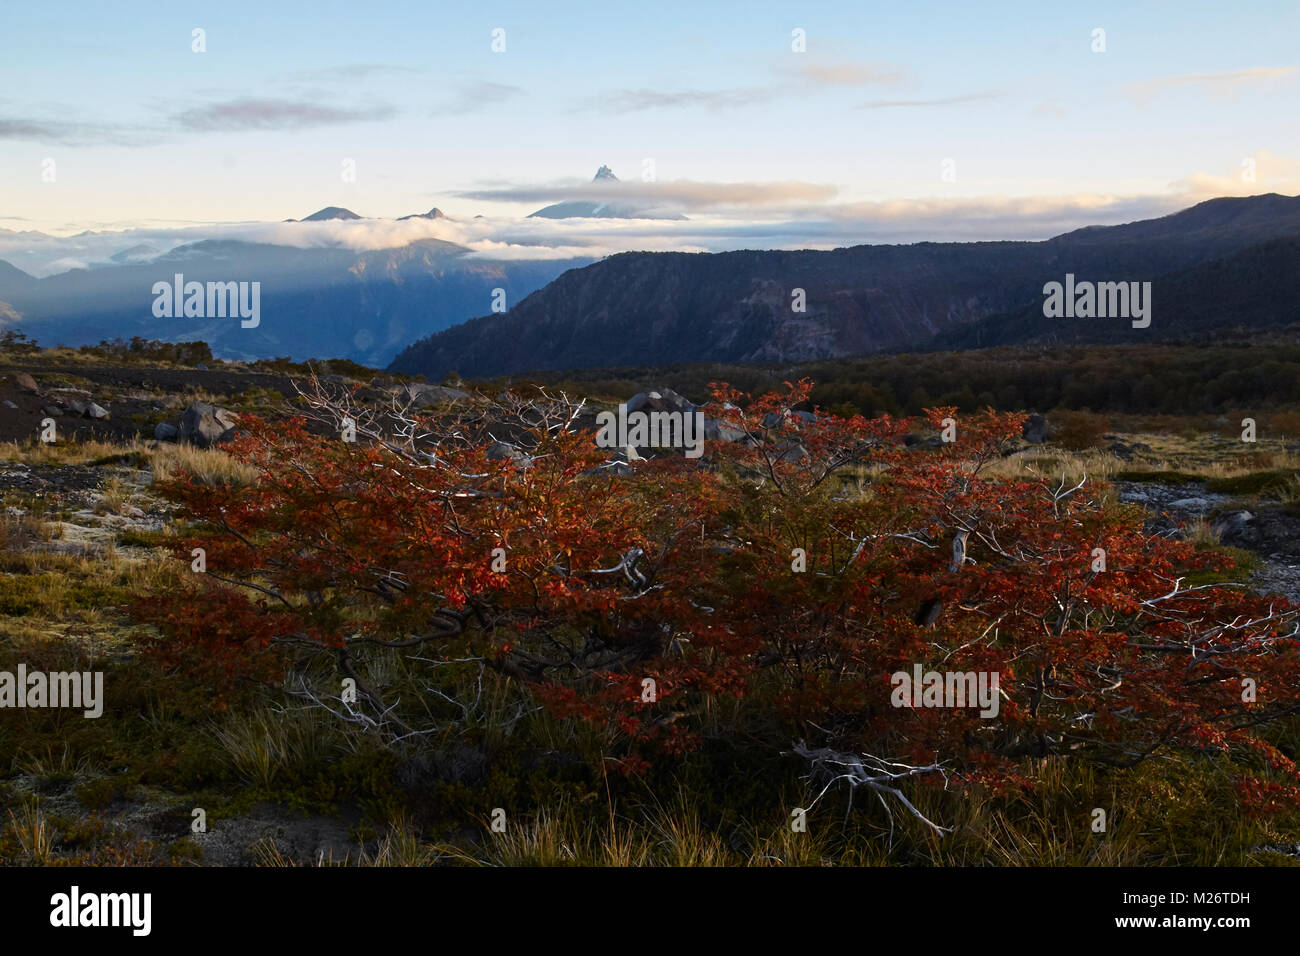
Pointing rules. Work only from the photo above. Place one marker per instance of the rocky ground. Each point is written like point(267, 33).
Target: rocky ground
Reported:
point(91, 402)
point(1266, 529)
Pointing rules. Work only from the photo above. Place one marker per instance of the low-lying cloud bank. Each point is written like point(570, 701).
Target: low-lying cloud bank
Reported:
point(724, 216)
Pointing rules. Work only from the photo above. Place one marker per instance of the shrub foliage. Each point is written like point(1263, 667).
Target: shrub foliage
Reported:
point(764, 594)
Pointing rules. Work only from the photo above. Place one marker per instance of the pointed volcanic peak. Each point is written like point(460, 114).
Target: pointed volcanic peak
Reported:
point(587, 209)
point(434, 213)
point(329, 212)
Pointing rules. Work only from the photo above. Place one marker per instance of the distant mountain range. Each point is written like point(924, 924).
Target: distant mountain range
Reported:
point(315, 302)
point(338, 212)
point(319, 301)
point(1223, 262)
point(1220, 264)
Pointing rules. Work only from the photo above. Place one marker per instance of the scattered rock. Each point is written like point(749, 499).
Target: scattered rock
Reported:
point(660, 400)
point(26, 383)
point(772, 419)
point(273, 830)
point(422, 396)
point(9, 404)
point(96, 411)
point(165, 432)
point(1034, 430)
point(792, 452)
point(504, 451)
point(1232, 522)
point(715, 430)
point(206, 425)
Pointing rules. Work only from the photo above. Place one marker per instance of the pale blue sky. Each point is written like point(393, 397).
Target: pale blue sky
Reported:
point(143, 130)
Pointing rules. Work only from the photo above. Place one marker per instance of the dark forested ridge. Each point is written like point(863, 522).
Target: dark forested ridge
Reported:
point(1222, 262)
point(1256, 288)
point(1207, 377)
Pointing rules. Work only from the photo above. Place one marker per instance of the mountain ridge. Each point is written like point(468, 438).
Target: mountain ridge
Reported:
point(654, 308)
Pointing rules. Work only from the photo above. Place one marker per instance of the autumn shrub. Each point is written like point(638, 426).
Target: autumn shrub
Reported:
point(1286, 424)
point(1078, 430)
point(745, 600)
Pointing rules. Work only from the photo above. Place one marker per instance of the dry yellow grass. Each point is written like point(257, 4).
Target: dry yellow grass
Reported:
point(33, 452)
point(209, 466)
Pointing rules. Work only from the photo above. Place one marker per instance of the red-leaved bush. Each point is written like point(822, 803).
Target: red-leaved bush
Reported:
point(784, 578)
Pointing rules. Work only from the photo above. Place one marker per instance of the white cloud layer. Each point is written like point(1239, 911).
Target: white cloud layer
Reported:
point(724, 216)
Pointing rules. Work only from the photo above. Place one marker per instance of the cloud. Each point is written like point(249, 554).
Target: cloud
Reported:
point(1260, 173)
point(805, 74)
point(475, 96)
point(75, 132)
point(1026, 217)
point(26, 129)
point(681, 194)
point(228, 115)
point(1229, 84)
point(943, 101)
point(273, 114)
point(726, 216)
point(637, 101)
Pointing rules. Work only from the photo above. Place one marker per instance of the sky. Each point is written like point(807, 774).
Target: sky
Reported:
point(766, 124)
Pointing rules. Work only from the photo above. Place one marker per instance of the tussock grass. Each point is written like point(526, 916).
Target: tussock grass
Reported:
point(33, 452)
point(208, 466)
point(1273, 483)
point(20, 531)
point(1052, 826)
point(114, 494)
point(263, 743)
point(32, 831)
point(1056, 464)
point(1201, 533)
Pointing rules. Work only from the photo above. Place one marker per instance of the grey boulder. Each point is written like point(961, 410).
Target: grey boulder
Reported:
point(206, 425)
point(1034, 430)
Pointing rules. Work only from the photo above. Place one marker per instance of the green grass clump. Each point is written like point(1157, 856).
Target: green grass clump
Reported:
point(1162, 477)
point(1273, 483)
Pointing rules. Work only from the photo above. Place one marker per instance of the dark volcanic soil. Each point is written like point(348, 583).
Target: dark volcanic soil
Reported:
point(136, 398)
